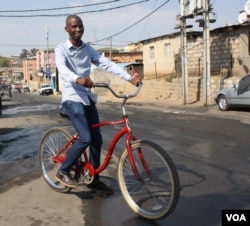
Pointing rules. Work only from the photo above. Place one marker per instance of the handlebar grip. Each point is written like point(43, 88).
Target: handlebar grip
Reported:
point(104, 85)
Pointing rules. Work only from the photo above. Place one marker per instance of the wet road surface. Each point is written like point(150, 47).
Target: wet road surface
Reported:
point(211, 155)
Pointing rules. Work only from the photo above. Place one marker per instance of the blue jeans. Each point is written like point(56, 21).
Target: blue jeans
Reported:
point(82, 117)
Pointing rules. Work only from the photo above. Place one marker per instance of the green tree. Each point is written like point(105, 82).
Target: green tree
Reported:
point(34, 51)
point(24, 53)
point(4, 62)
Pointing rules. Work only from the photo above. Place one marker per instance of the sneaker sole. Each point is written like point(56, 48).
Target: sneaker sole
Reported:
point(68, 185)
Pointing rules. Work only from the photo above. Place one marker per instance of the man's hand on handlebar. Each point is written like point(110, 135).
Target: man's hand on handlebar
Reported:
point(135, 79)
point(87, 82)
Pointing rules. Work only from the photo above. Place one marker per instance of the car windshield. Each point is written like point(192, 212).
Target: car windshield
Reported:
point(44, 86)
point(243, 85)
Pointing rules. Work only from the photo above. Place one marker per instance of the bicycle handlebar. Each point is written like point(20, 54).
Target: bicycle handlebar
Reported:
point(126, 96)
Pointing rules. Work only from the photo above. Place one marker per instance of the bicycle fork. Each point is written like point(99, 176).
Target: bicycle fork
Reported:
point(132, 161)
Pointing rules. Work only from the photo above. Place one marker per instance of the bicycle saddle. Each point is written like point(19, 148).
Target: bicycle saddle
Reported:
point(63, 114)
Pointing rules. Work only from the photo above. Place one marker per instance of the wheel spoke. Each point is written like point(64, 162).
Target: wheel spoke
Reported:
point(155, 196)
point(51, 143)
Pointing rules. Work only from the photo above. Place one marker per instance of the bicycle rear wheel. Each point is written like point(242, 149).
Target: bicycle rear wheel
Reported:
point(51, 143)
point(155, 196)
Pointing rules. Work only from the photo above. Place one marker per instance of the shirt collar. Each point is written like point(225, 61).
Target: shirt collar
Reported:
point(69, 45)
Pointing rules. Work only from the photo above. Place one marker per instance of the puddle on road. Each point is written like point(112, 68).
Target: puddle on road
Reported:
point(23, 128)
point(21, 144)
point(28, 109)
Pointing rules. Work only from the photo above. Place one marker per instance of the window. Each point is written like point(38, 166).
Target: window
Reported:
point(167, 49)
point(151, 52)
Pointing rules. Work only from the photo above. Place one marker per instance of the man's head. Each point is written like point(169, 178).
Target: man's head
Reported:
point(75, 29)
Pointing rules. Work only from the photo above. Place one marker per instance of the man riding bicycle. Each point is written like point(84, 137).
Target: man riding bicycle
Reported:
point(73, 60)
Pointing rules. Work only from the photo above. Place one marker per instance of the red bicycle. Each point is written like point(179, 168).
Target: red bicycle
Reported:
point(147, 176)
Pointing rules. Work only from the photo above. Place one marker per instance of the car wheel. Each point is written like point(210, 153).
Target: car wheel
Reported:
point(223, 103)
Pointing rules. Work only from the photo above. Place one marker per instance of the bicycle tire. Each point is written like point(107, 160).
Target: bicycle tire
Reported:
point(51, 143)
point(154, 197)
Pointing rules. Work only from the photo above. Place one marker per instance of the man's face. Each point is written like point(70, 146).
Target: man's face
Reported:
point(75, 29)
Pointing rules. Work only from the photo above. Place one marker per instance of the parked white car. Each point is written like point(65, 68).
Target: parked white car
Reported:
point(45, 89)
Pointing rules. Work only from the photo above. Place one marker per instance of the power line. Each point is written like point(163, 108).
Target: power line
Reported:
point(44, 45)
point(95, 42)
point(147, 20)
point(66, 14)
point(133, 23)
point(51, 9)
point(18, 45)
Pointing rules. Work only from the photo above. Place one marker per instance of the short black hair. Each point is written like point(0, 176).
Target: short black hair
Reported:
point(72, 16)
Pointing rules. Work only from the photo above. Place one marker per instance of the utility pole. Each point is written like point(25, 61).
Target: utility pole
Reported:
point(184, 61)
point(188, 9)
point(206, 61)
point(110, 48)
point(47, 55)
point(183, 26)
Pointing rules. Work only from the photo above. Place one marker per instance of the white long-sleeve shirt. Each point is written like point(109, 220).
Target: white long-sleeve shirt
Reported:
point(73, 62)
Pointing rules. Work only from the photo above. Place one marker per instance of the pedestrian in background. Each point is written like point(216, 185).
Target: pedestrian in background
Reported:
point(10, 90)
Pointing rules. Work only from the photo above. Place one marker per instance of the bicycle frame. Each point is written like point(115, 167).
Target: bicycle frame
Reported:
point(125, 130)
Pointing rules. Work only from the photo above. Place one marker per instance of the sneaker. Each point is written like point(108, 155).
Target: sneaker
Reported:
point(98, 185)
point(66, 179)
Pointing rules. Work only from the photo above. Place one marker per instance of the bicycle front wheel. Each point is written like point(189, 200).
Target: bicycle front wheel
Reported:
point(51, 143)
point(156, 193)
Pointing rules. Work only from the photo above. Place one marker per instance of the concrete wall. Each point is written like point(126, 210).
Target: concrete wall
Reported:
point(161, 91)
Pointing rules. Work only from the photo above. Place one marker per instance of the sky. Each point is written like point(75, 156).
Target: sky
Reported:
point(123, 20)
